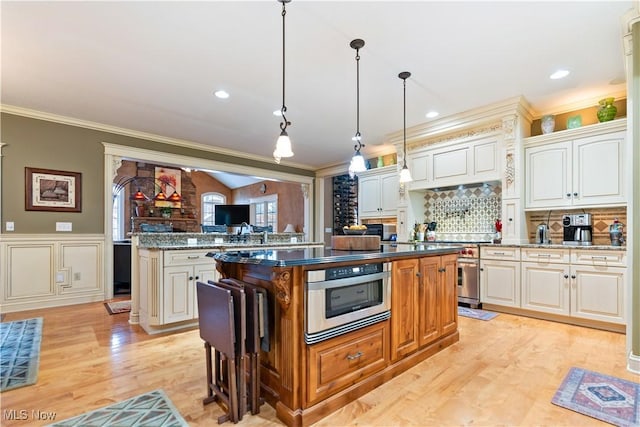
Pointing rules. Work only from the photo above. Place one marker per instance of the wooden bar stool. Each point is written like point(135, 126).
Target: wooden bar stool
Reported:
point(218, 329)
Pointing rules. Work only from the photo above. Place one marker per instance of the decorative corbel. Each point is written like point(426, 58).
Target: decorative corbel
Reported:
point(281, 280)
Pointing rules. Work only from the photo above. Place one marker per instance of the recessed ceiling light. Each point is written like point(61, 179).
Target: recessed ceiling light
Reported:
point(559, 74)
point(221, 94)
point(432, 114)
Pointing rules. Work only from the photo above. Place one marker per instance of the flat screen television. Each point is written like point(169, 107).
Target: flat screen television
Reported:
point(232, 215)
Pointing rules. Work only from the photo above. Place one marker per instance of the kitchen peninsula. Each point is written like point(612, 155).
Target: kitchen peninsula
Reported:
point(306, 379)
point(166, 266)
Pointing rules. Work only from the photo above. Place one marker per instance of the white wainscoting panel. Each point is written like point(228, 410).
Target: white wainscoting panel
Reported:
point(50, 270)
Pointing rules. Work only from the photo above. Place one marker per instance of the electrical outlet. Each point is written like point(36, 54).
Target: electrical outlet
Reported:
point(76, 276)
point(10, 226)
point(59, 277)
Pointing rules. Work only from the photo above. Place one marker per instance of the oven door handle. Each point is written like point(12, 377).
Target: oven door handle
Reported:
point(349, 281)
point(467, 261)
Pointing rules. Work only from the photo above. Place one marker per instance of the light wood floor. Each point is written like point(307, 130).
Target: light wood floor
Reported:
point(502, 372)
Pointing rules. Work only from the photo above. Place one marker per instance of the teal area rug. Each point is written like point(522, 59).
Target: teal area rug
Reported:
point(19, 352)
point(153, 409)
point(475, 313)
point(609, 399)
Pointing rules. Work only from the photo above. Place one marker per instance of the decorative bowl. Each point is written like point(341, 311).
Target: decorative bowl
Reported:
point(354, 232)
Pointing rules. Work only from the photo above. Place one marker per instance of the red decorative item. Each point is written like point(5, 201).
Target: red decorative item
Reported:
point(498, 225)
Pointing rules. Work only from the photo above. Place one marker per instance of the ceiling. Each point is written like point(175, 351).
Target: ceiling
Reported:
point(153, 66)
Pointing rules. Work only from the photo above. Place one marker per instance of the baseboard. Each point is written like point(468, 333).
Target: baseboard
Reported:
point(633, 363)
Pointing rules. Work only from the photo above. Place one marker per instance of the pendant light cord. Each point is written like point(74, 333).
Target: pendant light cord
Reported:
point(404, 115)
point(357, 44)
point(283, 110)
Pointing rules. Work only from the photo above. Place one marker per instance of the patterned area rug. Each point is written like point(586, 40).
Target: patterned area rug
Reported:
point(117, 307)
point(475, 313)
point(609, 399)
point(153, 409)
point(19, 352)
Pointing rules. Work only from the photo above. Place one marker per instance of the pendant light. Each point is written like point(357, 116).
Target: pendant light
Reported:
point(357, 164)
point(405, 175)
point(283, 144)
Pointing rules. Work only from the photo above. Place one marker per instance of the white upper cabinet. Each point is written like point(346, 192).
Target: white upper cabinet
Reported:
point(378, 192)
point(461, 163)
point(577, 169)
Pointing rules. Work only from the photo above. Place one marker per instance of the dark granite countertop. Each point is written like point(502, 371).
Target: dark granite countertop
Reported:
point(311, 256)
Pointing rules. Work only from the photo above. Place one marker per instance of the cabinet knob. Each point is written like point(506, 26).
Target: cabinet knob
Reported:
point(481, 269)
point(575, 194)
point(190, 277)
point(573, 276)
point(568, 195)
point(510, 219)
point(566, 276)
point(197, 277)
point(418, 274)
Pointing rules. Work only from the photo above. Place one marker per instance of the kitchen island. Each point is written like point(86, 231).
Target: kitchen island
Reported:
point(304, 381)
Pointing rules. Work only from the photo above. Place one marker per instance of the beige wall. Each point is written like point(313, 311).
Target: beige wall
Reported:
point(290, 201)
point(43, 144)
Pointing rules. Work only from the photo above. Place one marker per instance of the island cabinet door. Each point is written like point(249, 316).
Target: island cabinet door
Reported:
point(448, 299)
point(404, 308)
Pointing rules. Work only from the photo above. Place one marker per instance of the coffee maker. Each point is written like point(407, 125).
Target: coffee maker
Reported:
point(578, 229)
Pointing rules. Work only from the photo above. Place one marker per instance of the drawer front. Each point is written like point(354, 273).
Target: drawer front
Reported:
point(500, 253)
point(186, 257)
point(545, 256)
point(340, 362)
point(599, 258)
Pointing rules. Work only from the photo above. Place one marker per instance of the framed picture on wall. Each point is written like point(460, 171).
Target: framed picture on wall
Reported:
point(52, 190)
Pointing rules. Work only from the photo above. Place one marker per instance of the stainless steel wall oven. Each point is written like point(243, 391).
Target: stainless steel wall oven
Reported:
point(342, 299)
point(469, 275)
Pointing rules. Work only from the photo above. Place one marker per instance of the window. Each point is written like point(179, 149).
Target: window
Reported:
point(209, 202)
point(264, 211)
point(118, 215)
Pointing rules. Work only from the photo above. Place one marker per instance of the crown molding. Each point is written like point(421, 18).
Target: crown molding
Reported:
point(34, 114)
point(465, 120)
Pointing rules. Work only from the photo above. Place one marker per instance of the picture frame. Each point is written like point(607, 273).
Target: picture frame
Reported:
point(52, 190)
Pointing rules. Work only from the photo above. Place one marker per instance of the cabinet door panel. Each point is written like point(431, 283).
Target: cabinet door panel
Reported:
point(177, 294)
point(500, 283)
point(203, 273)
point(485, 159)
point(389, 194)
point(548, 175)
point(598, 293)
point(597, 176)
point(404, 308)
point(449, 165)
point(545, 288)
point(429, 315)
point(369, 200)
point(449, 294)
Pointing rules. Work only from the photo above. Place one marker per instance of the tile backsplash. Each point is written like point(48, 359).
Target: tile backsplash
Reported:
point(467, 212)
point(600, 217)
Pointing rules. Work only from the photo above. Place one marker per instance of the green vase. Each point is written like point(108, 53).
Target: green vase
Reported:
point(606, 110)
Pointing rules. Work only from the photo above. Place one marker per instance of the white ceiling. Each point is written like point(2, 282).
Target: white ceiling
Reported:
point(153, 66)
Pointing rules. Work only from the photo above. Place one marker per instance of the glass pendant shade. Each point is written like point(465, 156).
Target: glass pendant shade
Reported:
point(357, 163)
point(175, 197)
point(139, 196)
point(160, 197)
point(283, 146)
point(405, 175)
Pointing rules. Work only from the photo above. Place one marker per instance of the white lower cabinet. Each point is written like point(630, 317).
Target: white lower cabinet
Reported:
point(598, 293)
point(580, 283)
point(168, 285)
point(500, 276)
point(545, 287)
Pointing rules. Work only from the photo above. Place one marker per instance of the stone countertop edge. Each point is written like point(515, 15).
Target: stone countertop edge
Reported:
point(556, 246)
point(345, 256)
point(234, 246)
